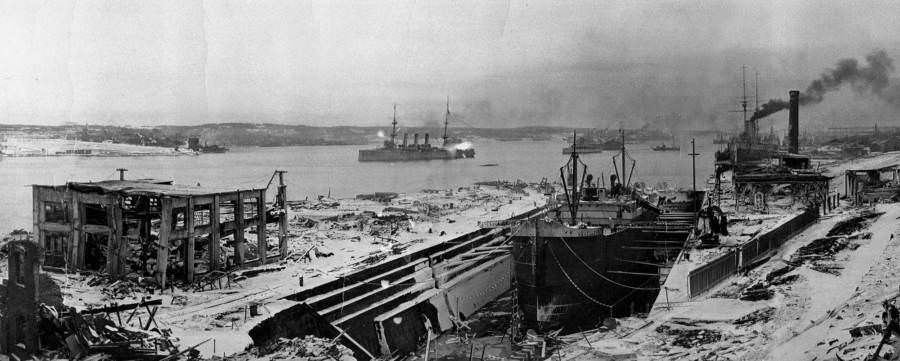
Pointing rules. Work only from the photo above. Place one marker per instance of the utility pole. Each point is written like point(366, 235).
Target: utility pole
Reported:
point(694, 155)
point(121, 173)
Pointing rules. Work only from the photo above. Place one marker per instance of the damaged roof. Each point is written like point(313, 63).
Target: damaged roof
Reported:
point(148, 186)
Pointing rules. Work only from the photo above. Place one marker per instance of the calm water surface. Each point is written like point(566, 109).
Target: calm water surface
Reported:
point(316, 170)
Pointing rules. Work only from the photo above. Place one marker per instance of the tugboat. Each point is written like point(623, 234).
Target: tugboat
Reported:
point(597, 252)
point(393, 152)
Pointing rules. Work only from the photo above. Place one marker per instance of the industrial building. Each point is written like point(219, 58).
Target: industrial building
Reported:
point(157, 229)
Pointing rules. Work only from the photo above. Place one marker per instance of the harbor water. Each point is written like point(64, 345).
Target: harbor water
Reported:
point(318, 170)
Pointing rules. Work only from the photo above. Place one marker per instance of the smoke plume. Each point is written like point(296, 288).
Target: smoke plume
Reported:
point(872, 79)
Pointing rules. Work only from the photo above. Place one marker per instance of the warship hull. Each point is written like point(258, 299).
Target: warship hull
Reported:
point(409, 155)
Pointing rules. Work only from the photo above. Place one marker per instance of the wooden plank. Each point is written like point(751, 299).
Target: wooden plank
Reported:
point(162, 254)
point(189, 243)
point(261, 241)
point(214, 235)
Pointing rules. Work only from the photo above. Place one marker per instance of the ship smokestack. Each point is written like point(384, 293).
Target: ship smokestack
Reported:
point(416, 139)
point(426, 138)
point(794, 122)
point(405, 139)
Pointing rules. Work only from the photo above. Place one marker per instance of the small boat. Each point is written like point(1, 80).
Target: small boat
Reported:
point(489, 165)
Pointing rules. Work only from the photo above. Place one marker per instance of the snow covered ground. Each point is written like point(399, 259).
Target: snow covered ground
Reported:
point(222, 315)
point(808, 318)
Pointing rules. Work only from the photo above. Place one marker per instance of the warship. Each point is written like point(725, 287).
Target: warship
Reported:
point(597, 251)
point(390, 151)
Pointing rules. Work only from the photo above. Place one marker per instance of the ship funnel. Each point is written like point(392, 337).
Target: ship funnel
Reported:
point(416, 139)
point(405, 139)
point(426, 138)
point(794, 122)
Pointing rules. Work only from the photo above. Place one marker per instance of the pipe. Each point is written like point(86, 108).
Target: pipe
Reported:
point(794, 122)
point(426, 138)
point(405, 138)
point(416, 139)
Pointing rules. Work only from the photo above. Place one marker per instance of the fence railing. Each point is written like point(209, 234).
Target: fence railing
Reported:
point(709, 275)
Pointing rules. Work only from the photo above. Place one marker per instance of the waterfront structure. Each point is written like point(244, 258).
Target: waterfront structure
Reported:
point(155, 228)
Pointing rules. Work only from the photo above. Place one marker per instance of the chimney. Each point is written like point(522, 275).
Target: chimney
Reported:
point(794, 122)
point(416, 139)
point(426, 138)
point(405, 139)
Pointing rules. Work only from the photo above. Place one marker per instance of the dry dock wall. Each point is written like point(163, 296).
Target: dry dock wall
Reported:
point(387, 308)
point(708, 276)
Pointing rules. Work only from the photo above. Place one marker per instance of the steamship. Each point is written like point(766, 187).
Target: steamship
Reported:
point(393, 152)
point(598, 251)
point(592, 143)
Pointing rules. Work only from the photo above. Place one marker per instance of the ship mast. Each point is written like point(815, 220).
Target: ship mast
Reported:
point(747, 126)
point(623, 156)
point(394, 124)
point(446, 120)
point(573, 199)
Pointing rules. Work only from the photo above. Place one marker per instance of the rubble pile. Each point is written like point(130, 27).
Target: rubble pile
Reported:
point(854, 224)
point(309, 348)
point(757, 292)
point(77, 336)
point(689, 337)
point(760, 315)
point(819, 249)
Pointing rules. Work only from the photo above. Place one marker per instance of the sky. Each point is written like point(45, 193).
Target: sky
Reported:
point(502, 63)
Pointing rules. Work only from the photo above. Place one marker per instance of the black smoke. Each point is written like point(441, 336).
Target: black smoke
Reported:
point(871, 79)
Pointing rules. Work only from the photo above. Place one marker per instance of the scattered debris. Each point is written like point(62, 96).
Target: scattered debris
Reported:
point(305, 349)
point(760, 315)
point(690, 337)
point(757, 292)
point(854, 224)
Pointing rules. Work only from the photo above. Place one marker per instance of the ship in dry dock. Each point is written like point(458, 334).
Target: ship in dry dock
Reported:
point(393, 152)
point(599, 251)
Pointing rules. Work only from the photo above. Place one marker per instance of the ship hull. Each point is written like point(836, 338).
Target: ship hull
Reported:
point(391, 155)
point(574, 278)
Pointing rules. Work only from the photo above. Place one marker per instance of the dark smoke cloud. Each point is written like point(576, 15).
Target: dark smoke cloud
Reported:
point(873, 79)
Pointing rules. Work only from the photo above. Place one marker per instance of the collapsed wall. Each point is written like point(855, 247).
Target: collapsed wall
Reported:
point(386, 309)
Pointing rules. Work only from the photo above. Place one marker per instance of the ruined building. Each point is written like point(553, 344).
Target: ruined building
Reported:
point(156, 229)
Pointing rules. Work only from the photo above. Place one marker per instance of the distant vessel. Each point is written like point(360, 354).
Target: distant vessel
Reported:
point(194, 145)
point(393, 152)
point(666, 148)
point(592, 143)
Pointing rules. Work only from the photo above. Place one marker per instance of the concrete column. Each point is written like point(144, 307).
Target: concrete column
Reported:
point(77, 248)
point(214, 234)
point(189, 246)
point(283, 221)
point(165, 228)
point(239, 246)
point(261, 241)
point(37, 216)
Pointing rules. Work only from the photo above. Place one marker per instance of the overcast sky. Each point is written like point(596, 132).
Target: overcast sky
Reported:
point(503, 63)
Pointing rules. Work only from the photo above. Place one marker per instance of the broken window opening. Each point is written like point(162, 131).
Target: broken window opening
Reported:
point(56, 212)
point(56, 247)
point(95, 251)
point(202, 215)
point(95, 214)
